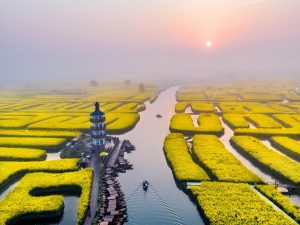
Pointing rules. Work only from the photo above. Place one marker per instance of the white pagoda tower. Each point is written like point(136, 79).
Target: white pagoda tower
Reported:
point(98, 128)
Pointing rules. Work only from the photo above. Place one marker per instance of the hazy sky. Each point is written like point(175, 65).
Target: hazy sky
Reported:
point(76, 39)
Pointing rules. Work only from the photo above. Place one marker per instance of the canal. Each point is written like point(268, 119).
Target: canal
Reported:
point(163, 203)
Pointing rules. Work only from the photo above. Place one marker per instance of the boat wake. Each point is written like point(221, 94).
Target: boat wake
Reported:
point(152, 206)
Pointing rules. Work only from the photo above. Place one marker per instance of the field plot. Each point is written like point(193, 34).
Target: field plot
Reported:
point(229, 203)
point(177, 153)
point(206, 123)
point(220, 162)
point(21, 154)
point(280, 200)
point(35, 123)
point(30, 198)
point(257, 115)
point(196, 107)
point(245, 120)
point(287, 145)
point(279, 164)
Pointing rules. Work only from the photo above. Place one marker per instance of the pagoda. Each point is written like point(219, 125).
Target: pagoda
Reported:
point(98, 128)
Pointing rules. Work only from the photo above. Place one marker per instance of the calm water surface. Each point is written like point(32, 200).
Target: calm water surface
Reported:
point(163, 203)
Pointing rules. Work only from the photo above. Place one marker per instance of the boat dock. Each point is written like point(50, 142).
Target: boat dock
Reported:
point(113, 210)
point(113, 153)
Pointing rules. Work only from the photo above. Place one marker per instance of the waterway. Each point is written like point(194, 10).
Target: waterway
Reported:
point(70, 211)
point(69, 216)
point(163, 203)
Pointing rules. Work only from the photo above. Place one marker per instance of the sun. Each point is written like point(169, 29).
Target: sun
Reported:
point(208, 44)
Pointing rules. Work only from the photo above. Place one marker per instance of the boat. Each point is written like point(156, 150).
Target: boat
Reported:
point(159, 116)
point(145, 185)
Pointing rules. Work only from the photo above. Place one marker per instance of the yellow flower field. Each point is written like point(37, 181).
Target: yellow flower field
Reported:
point(31, 141)
point(21, 202)
point(21, 154)
point(235, 204)
point(220, 162)
point(280, 200)
point(270, 111)
point(207, 123)
point(269, 158)
point(32, 121)
point(10, 169)
point(287, 145)
point(185, 169)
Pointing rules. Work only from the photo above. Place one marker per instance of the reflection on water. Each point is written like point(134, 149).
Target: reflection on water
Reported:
point(164, 203)
point(69, 216)
point(295, 199)
point(153, 204)
point(70, 211)
point(4, 192)
point(228, 133)
point(53, 156)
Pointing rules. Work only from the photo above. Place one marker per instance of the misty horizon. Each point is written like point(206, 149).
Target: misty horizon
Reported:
point(77, 41)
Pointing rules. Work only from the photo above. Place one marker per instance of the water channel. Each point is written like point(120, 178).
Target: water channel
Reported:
point(164, 203)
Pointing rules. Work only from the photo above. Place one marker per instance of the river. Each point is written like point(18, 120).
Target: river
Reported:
point(163, 203)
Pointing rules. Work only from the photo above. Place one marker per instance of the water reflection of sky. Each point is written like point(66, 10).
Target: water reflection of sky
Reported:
point(164, 203)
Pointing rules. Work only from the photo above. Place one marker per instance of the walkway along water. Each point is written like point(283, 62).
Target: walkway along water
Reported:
point(95, 164)
point(164, 203)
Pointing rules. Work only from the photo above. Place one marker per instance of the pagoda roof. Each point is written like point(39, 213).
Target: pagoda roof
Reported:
point(97, 111)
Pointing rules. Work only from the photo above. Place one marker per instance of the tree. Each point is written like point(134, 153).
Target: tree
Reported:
point(141, 87)
point(93, 83)
point(127, 82)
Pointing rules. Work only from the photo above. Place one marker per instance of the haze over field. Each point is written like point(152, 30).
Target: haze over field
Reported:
point(75, 39)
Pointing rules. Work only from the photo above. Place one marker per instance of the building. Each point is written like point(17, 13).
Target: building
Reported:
point(98, 128)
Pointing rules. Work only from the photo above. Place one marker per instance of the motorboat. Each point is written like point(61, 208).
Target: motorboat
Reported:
point(145, 185)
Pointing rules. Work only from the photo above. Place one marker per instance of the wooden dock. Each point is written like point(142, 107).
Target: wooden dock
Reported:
point(111, 160)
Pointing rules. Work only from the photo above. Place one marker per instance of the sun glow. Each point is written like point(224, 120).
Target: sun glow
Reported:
point(208, 44)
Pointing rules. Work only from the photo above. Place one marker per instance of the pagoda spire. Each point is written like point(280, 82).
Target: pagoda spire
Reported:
point(97, 106)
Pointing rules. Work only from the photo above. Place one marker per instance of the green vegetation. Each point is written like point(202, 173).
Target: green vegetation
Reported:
point(21, 154)
point(280, 200)
point(177, 153)
point(268, 158)
point(220, 162)
point(235, 204)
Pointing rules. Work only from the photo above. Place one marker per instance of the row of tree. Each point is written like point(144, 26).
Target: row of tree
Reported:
point(94, 83)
